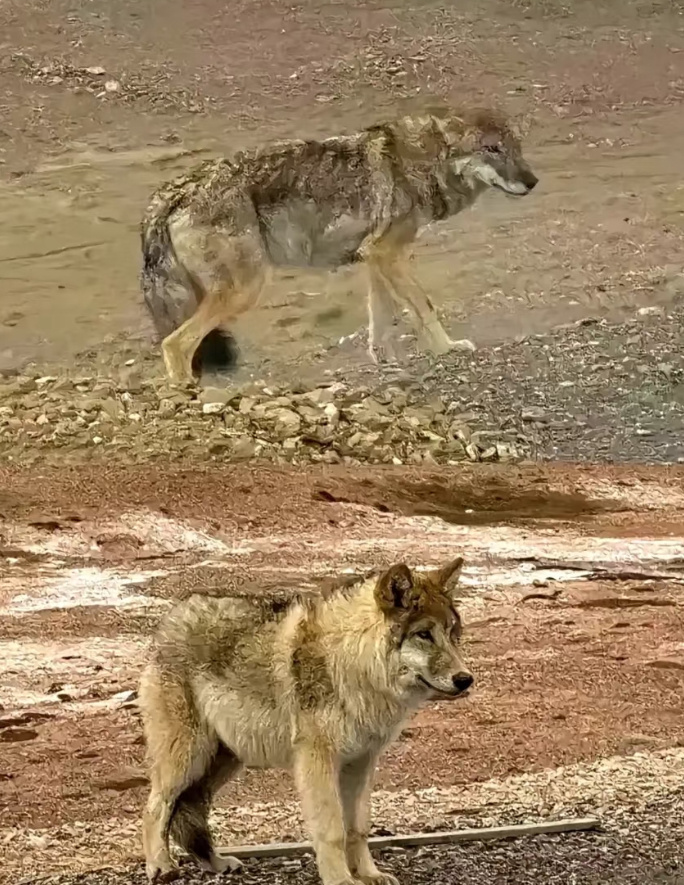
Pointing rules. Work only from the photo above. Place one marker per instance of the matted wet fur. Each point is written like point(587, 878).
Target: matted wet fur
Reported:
point(320, 687)
point(210, 237)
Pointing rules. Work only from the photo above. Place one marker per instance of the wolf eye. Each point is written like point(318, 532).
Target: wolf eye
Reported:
point(494, 148)
point(425, 635)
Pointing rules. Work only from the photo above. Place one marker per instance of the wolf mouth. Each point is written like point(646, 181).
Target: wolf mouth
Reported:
point(448, 694)
point(511, 193)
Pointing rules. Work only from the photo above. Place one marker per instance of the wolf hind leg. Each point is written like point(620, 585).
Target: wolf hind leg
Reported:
point(231, 272)
point(180, 754)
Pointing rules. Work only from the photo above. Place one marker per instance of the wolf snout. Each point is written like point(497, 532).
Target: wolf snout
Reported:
point(530, 181)
point(462, 681)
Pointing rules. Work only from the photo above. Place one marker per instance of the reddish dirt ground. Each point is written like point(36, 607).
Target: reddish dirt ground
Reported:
point(566, 672)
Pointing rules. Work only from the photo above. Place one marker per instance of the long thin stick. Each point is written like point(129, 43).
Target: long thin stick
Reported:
point(289, 849)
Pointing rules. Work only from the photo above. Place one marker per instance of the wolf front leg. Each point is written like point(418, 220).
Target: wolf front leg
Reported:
point(380, 317)
point(317, 777)
point(409, 291)
point(355, 787)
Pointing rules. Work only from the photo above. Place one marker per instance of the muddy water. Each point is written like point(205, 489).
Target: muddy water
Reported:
point(595, 237)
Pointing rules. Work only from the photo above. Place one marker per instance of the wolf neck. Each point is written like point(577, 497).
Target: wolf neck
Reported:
point(447, 192)
point(359, 644)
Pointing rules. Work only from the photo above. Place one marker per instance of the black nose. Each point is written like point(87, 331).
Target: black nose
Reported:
point(531, 181)
point(463, 681)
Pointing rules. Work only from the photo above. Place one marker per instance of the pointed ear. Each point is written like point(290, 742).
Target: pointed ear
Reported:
point(447, 577)
point(394, 589)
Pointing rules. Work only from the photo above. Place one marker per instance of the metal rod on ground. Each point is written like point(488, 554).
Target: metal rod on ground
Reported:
point(289, 849)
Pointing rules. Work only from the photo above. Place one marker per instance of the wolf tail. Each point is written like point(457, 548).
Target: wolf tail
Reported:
point(171, 294)
point(189, 825)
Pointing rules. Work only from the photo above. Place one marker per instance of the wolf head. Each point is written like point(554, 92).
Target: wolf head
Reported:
point(483, 148)
point(425, 630)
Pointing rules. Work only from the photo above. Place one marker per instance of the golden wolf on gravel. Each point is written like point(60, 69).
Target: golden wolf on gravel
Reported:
point(319, 686)
point(211, 237)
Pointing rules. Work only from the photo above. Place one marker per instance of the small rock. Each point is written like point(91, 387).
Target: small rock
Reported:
point(286, 423)
point(291, 865)
point(535, 414)
point(243, 448)
point(123, 781)
point(472, 452)
point(167, 408)
point(125, 697)
point(222, 395)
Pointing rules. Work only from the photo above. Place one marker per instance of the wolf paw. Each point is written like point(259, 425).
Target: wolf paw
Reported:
point(380, 879)
point(158, 875)
point(222, 864)
point(463, 345)
point(382, 354)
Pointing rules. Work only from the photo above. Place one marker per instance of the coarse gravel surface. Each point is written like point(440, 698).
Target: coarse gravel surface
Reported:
point(593, 390)
point(632, 849)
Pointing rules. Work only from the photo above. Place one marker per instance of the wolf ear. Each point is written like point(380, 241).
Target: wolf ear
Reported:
point(447, 577)
point(394, 589)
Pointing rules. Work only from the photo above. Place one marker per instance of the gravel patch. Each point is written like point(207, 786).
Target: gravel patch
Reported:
point(590, 391)
point(644, 847)
point(615, 790)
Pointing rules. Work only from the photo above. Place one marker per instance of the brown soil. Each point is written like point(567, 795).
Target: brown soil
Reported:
point(603, 86)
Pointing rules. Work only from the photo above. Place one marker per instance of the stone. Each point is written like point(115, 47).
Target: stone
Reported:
point(124, 780)
point(167, 408)
point(332, 414)
point(472, 452)
point(222, 395)
point(369, 413)
point(16, 735)
point(112, 408)
point(286, 423)
point(320, 396)
point(212, 408)
point(247, 403)
point(534, 414)
point(506, 451)
point(243, 448)
point(310, 414)
point(491, 453)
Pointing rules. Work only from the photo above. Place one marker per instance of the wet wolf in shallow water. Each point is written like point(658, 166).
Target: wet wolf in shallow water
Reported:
point(210, 238)
point(319, 686)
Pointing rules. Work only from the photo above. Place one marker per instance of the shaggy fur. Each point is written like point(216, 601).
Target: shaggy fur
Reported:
point(210, 238)
point(320, 687)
